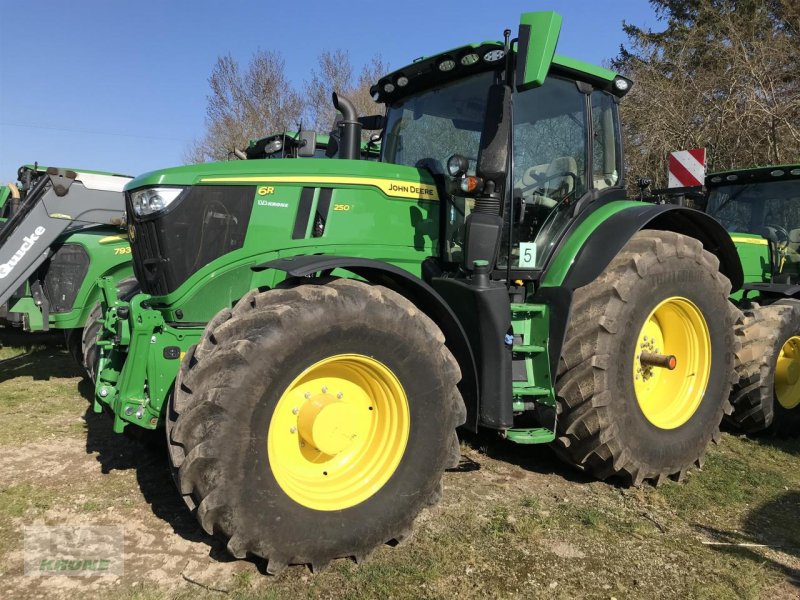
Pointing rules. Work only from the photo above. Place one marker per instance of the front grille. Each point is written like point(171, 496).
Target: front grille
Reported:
point(146, 257)
point(204, 223)
point(63, 275)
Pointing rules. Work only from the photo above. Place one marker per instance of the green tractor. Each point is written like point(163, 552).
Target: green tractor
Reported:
point(311, 334)
point(761, 209)
point(61, 230)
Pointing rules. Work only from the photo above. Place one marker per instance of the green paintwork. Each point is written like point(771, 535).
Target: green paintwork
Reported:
point(26, 305)
point(583, 67)
point(193, 174)
point(537, 435)
point(562, 262)
point(530, 323)
point(544, 28)
point(754, 255)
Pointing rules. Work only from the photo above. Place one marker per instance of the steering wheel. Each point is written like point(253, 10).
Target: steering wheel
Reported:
point(779, 231)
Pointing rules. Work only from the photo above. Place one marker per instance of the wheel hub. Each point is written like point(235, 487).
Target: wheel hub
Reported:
point(672, 363)
point(787, 374)
point(330, 425)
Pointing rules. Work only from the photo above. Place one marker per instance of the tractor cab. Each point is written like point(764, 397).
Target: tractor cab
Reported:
point(554, 142)
point(760, 207)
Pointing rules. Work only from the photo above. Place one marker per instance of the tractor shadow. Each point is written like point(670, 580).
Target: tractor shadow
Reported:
point(145, 452)
point(538, 458)
point(768, 531)
point(44, 358)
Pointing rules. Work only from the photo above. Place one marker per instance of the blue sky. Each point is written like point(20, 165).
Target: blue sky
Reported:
point(121, 85)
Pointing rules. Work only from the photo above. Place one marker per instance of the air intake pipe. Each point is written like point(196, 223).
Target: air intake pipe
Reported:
point(350, 128)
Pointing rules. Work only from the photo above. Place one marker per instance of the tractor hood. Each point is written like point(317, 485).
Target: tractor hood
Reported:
point(394, 180)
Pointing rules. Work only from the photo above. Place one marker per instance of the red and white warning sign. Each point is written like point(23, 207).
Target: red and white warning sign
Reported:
point(687, 168)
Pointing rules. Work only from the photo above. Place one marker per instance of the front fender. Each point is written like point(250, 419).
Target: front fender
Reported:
point(422, 295)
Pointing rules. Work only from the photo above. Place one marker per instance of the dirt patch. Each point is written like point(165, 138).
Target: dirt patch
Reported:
point(513, 521)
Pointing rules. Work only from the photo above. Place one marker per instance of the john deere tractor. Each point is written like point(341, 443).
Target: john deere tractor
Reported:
point(310, 334)
point(60, 230)
point(761, 209)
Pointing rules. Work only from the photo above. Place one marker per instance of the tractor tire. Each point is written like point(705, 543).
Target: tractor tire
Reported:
point(91, 329)
point(770, 335)
point(255, 443)
point(662, 294)
point(85, 353)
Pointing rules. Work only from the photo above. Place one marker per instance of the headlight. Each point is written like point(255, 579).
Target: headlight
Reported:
point(153, 200)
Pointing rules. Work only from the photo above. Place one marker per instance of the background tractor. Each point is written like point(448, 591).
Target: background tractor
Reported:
point(311, 333)
point(760, 207)
point(61, 230)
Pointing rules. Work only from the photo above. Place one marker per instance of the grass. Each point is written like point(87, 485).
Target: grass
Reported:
point(517, 524)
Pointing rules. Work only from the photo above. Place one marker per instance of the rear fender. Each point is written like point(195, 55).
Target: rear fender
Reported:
point(608, 238)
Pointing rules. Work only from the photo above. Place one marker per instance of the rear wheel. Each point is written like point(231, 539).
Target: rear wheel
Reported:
point(315, 422)
point(767, 394)
point(646, 368)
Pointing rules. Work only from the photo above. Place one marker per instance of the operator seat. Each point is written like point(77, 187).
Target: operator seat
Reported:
point(556, 183)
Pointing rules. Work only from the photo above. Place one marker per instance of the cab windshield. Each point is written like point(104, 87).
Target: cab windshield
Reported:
point(551, 150)
point(770, 209)
point(424, 130)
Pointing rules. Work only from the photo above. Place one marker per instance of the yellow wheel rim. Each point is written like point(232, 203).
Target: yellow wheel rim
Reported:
point(338, 432)
point(787, 374)
point(669, 398)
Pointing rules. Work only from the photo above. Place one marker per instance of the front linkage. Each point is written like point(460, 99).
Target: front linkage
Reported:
point(136, 337)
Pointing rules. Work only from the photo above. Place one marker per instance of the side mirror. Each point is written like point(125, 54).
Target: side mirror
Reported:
point(307, 144)
point(536, 46)
point(493, 154)
point(372, 122)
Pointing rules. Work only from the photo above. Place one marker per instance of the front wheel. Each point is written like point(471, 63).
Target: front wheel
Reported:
point(647, 363)
point(315, 422)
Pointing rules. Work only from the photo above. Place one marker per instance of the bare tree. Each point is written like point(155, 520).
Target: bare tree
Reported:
point(722, 75)
point(335, 73)
point(245, 104)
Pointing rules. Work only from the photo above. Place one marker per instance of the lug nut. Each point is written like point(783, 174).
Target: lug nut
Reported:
point(295, 410)
point(339, 395)
point(293, 430)
point(307, 395)
point(324, 390)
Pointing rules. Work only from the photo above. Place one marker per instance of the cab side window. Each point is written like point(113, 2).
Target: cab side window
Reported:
point(605, 141)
